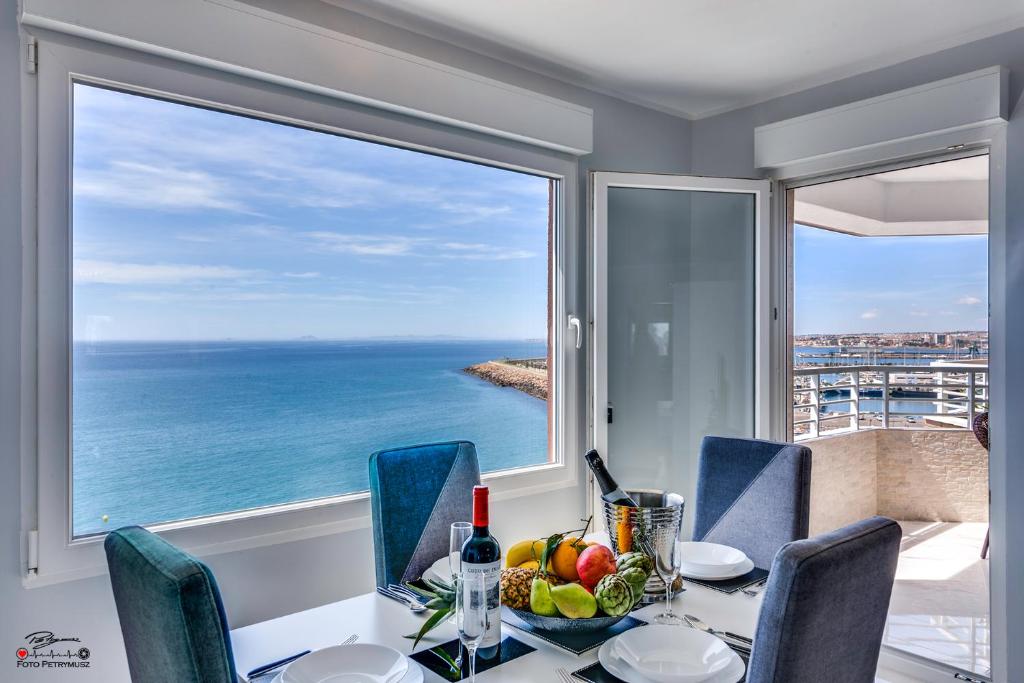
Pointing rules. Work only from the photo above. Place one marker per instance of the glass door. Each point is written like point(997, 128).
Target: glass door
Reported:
point(681, 322)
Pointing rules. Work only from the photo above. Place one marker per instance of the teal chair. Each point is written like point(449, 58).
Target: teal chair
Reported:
point(415, 495)
point(171, 614)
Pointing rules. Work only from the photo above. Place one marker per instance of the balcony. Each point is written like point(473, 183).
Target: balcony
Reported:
point(895, 440)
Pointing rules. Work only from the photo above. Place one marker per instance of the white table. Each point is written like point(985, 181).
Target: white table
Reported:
point(377, 619)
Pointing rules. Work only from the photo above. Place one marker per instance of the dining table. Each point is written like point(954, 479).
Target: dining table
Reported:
point(381, 620)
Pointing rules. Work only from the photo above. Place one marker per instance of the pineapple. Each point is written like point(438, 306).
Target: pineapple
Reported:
point(515, 587)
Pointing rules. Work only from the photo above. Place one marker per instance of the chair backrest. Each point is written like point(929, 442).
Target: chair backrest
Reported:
point(415, 495)
point(171, 614)
point(753, 495)
point(825, 605)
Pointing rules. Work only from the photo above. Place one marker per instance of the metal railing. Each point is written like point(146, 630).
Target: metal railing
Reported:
point(836, 399)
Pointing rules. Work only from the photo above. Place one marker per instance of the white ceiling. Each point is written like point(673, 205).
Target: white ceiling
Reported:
point(700, 57)
point(945, 198)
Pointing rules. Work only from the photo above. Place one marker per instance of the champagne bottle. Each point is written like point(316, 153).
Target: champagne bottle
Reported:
point(610, 491)
point(481, 553)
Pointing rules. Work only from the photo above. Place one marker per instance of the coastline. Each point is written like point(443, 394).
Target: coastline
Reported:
point(529, 380)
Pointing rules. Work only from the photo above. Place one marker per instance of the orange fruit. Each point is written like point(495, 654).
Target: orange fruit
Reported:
point(563, 560)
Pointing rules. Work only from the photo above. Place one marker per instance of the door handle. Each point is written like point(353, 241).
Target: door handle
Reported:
point(574, 323)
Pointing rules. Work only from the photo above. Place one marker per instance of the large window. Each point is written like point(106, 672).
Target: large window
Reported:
point(257, 307)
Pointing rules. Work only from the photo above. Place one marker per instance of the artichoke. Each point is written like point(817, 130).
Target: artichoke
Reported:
point(629, 560)
point(637, 579)
point(614, 595)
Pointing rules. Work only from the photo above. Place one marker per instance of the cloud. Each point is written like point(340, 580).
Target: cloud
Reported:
point(110, 272)
point(869, 315)
point(303, 276)
point(920, 314)
point(148, 186)
point(483, 252)
point(968, 301)
point(364, 245)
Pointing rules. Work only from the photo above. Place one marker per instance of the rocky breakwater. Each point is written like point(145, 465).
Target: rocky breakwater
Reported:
point(530, 380)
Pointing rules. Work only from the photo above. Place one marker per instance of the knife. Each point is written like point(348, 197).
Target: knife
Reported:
point(741, 641)
point(267, 668)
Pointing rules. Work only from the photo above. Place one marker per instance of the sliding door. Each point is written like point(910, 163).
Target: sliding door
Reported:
point(680, 321)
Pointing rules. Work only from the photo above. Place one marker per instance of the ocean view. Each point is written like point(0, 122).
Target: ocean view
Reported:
point(172, 430)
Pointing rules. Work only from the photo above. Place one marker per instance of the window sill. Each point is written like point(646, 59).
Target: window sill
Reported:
point(263, 527)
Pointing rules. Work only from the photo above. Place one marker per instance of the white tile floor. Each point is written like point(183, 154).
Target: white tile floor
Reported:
point(940, 601)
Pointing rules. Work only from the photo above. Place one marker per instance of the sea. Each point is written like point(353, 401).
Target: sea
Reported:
point(172, 430)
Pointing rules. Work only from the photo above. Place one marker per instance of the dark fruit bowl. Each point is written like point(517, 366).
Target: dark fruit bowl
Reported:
point(565, 625)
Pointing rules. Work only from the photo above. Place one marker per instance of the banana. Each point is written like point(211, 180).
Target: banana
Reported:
point(519, 553)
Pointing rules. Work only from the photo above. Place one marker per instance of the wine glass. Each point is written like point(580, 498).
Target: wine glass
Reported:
point(471, 614)
point(460, 533)
point(667, 562)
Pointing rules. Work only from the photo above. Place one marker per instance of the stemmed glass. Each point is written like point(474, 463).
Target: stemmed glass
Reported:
point(667, 562)
point(471, 614)
point(460, 533)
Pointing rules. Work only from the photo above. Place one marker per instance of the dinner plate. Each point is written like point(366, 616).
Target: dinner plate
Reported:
point(357, 663)
point(439, 571)
point(745, 567)
point(413, 675)
point(707, 558)
point(669, 654)
point(620, 668)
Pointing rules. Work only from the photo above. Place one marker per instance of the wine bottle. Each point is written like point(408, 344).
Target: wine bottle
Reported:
point(481, 553)
point(610, 491)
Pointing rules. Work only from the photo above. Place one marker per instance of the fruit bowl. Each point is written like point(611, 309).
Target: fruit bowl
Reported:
point(566, 625)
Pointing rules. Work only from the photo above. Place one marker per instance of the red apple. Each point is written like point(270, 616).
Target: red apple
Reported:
point(594, 563)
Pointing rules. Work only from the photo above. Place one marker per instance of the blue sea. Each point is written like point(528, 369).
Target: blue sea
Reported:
point(171, 430)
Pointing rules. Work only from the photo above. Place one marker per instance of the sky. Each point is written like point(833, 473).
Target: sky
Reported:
point(191, 224)
point(844, 283)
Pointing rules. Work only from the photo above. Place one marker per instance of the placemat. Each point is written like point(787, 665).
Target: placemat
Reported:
point(576, 643)
point(510, 648)
point(732, 585)
point(595, 673)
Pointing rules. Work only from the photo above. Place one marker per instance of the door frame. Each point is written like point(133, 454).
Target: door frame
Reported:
point(764, 317)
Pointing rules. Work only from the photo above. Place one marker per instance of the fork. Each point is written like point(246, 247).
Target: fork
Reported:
point(565, 676)
point(753, 590)
point(413, 605)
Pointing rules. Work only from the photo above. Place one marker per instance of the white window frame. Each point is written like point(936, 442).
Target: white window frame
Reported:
point(52, 554)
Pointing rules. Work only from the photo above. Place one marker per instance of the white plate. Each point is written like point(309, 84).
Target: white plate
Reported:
point(358, 663)
point(720, 576)
point(670, 654)
point(413, 675)
point(439, 571)
point(699, 556)
point(620, 668)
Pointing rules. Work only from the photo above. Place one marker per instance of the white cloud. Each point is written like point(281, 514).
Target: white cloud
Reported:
point(968, 301)
point(110, 272)
point(869, 315)
point(303, 276)
point(364, 245)
point(483, 252)
point(145, 186)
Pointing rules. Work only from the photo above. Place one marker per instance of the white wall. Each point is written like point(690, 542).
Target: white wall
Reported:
point(265, 582)
point(724, 145)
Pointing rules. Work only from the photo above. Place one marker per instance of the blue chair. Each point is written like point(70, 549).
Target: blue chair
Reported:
point(753, 495)
point(171, 614)
point(415, 495)
point(825, 605)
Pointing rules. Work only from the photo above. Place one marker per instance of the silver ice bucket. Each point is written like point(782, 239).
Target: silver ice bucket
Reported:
point(658, 519)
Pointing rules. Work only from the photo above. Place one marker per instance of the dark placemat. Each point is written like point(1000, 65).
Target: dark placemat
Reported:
point(595, 673)
point(755, 575)
point(509, 649)
point(576, 643)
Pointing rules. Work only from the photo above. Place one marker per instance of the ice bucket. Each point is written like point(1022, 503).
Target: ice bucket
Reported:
point(659, 517)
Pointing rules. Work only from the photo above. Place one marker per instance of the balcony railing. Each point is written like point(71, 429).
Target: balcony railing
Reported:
point(835, 399)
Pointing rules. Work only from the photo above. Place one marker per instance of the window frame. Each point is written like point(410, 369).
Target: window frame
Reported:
point(47, 397)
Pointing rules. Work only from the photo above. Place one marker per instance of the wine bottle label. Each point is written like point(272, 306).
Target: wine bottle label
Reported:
point(493, 571)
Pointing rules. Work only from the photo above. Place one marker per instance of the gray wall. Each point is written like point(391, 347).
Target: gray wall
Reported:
point(265, 582)
point(724, 145)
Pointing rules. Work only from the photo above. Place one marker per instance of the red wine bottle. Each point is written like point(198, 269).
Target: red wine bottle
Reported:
point(610, 491)
point(481, 553)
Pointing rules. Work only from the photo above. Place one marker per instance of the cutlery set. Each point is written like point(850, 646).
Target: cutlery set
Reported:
point(271, 668)
point(402, 595)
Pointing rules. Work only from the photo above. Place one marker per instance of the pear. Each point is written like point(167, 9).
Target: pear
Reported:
point(574, 601)
point(540, 599)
